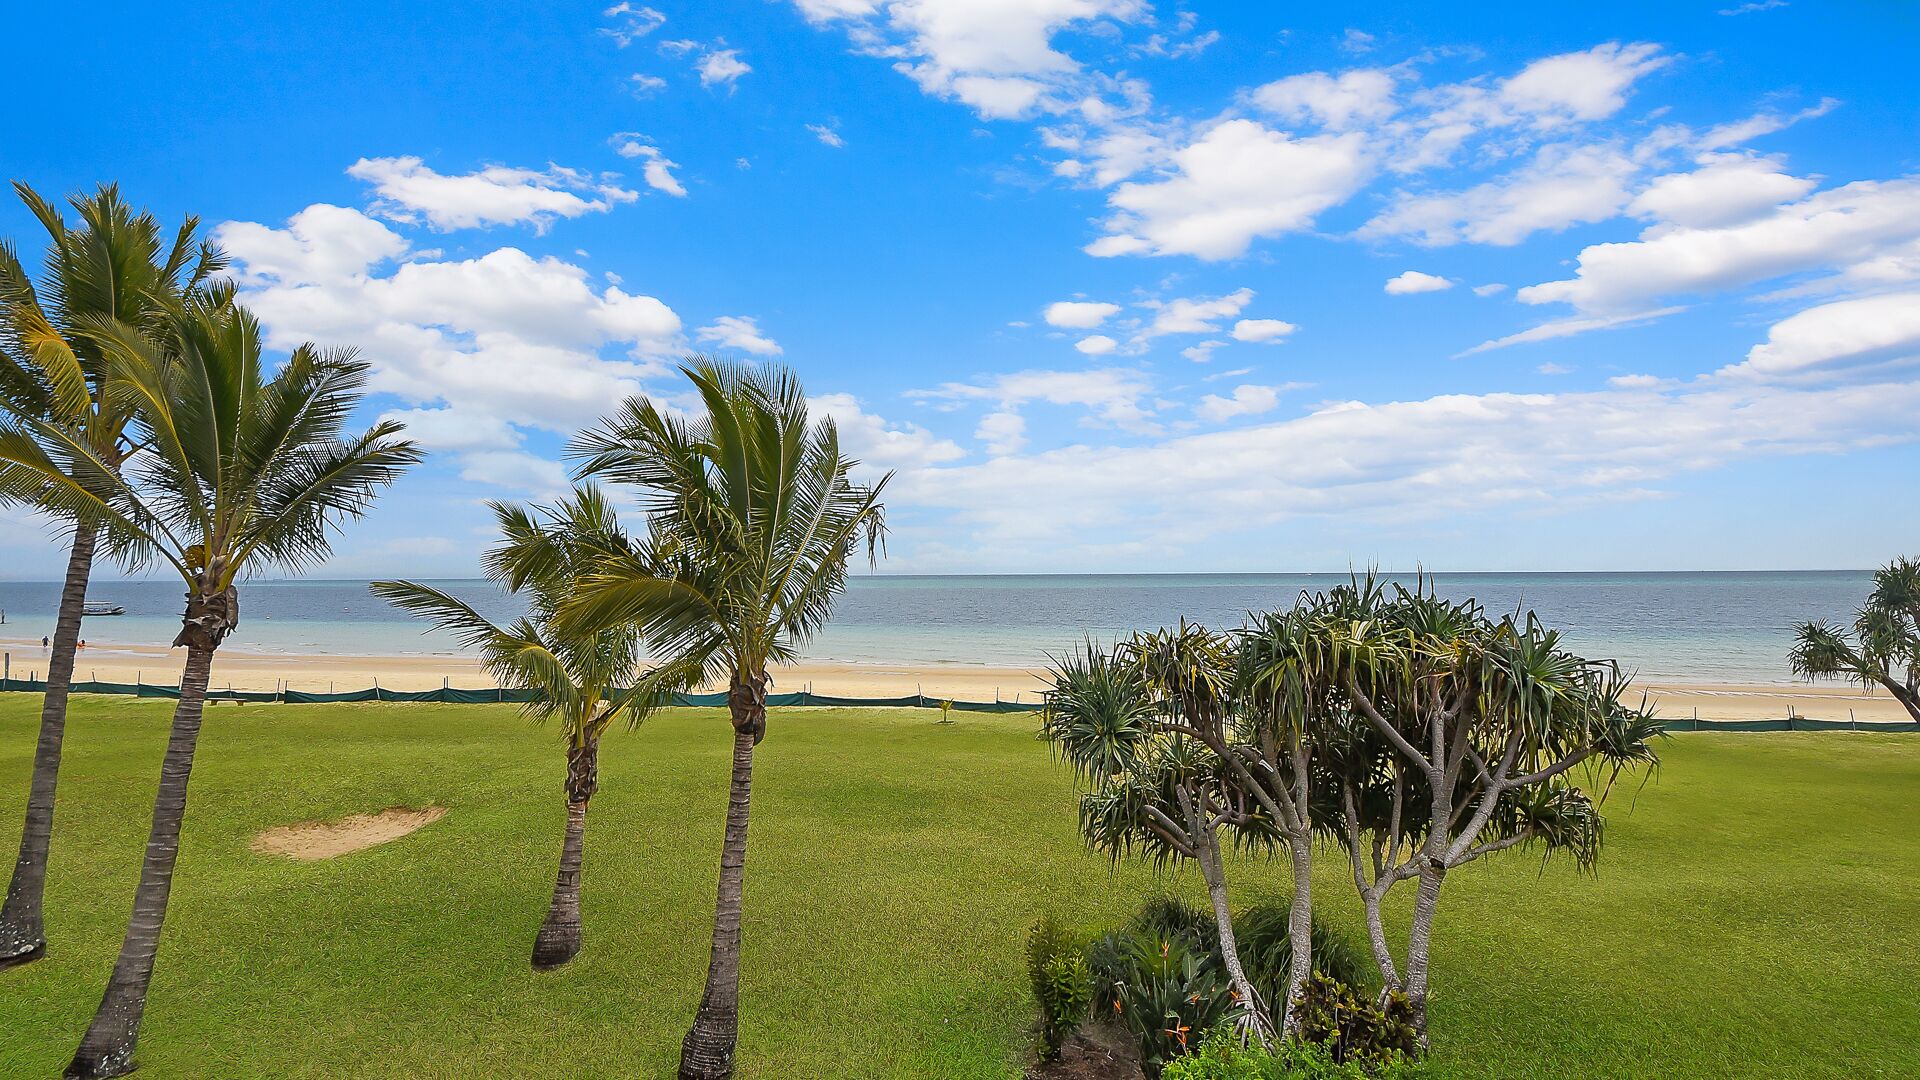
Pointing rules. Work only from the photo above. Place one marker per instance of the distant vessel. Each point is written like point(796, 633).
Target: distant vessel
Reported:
point(102, 608)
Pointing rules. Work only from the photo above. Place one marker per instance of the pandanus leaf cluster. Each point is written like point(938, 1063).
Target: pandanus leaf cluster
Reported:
point(1882, 647)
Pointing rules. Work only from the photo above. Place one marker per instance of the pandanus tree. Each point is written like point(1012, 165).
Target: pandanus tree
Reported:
point(1154, 791)
point(1285, 707)
point(753, 517)
point(1462, 736)
point(240, 471)
point(1884, 649)
point(1238, 700)
point(115, 265)
point(583, 680)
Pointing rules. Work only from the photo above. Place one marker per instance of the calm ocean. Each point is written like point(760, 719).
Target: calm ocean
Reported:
point(1729, 626)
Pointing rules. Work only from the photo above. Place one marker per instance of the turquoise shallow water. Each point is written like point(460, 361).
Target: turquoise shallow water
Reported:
point(1701, 626)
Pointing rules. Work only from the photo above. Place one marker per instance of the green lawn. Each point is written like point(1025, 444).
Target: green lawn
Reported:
point(1757, 911)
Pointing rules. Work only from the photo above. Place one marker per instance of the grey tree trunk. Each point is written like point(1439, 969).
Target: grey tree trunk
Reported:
point(1299, 925)
point(559, 938)
point(22, 930)
point(107, 1048)
point(1420, 943)
point(1377, 937)
point(707, 1051)
point(1215, 874)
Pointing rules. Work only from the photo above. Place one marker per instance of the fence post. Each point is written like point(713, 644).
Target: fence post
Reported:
point(6, 673)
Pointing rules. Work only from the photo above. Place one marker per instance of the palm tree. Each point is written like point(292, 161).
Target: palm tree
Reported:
point(753, 518)
point(1886, 639)
point(242, 471)
point(114, 266)
point(584, 680)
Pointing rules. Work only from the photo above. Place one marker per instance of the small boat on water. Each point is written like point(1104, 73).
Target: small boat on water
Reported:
point(101, 607)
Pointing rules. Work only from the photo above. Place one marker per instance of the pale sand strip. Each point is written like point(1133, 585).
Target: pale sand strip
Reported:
point(968, 682)
point(323, 672)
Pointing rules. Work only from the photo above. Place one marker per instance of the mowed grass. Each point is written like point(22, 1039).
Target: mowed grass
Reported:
point(1757, 912)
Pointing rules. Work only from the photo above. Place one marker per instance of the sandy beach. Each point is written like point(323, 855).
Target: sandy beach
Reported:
point(317, 672)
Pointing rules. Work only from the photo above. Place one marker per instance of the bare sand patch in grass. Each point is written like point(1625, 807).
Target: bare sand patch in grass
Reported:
point(310, 841)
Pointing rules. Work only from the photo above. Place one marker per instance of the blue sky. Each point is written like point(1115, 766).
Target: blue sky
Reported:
point(1108, 285)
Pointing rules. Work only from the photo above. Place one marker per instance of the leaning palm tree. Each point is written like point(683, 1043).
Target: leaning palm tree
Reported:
point(754, 518)
point(242, 471)
point(583, 681)
point(114, 265)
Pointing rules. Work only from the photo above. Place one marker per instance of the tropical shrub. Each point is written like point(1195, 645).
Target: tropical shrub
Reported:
point(1266, 949)
point(1062, 981)
point(1163, 978)
point(1066, 993)
point(1162, 990)
point(1354, 1027)
point(1223, 1057)
point(1172, 917)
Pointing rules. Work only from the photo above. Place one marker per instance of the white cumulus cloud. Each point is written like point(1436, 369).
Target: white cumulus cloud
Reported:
point(1238, 182)
point(1413, 281)
point(409, 191)
point(1262, 330)
point(740, 332)
point(630, 22)
point(656, 168)
point(1248, 399)
point(1847, 337)
point(476, 348)
point(1079, 314)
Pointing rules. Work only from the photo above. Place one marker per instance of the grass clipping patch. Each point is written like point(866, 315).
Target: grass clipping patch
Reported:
point(310, 841)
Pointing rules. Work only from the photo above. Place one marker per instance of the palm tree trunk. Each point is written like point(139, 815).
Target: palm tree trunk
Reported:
point(707, 1051)
point(22, 932)
point(559, 938)
point(107, 1048)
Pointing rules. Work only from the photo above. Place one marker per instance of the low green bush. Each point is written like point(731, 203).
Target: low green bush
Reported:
point(1353, 1026)
point(1162, 977)
point(1065, 998)
point(1172, 917)
point(1160, 989)
point(1222, 1057)
point(1062, 981)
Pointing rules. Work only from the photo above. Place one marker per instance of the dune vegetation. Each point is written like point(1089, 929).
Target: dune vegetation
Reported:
point(1752, 913)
